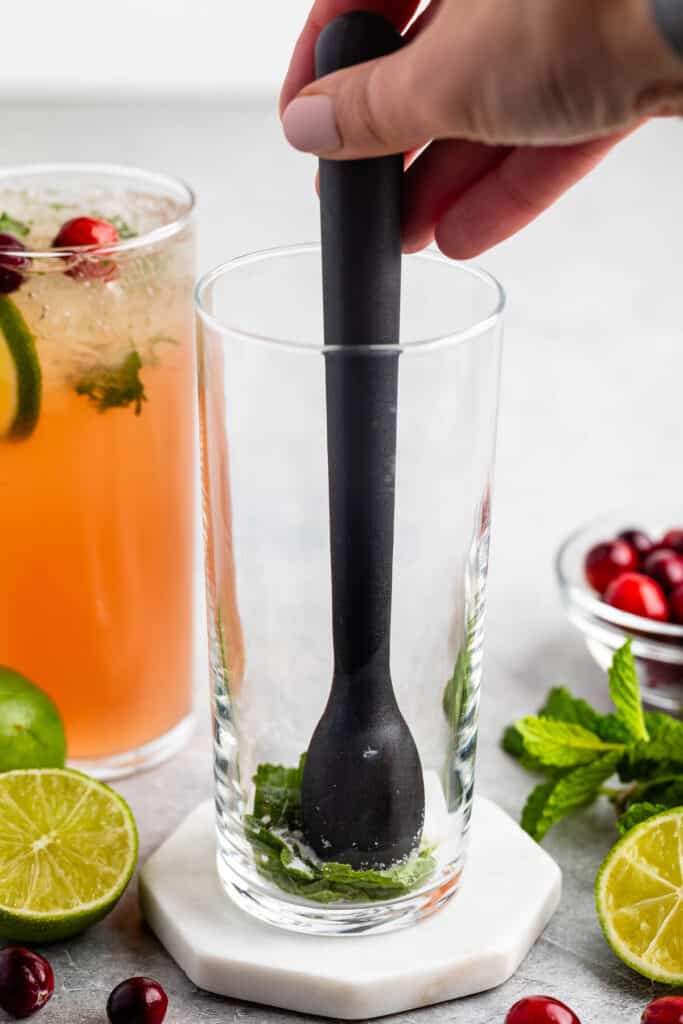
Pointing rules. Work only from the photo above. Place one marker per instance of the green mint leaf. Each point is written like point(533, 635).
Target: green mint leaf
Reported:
point(659, 756)
point(637, 813)
point(124, 229)
point(667, 790)
point(513, 744)
point(115, 387)
point(561, 705)
point(562, 744)
point(280, 855)
point(457, 691)
point(277, 799)
point(552, 801)
point(11, 226)
point(535, 807)
point(624, 691)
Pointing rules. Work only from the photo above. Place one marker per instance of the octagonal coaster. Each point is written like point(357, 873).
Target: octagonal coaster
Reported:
point(510, 890)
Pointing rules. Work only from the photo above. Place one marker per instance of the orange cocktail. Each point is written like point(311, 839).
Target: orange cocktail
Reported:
point(97, 455)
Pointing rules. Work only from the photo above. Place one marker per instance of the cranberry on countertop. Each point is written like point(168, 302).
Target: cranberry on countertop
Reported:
point(673, 539)
point(88, 231)
point(26, 981)
point(607, 560)
point(638, 594)
point(665, 566)
point(638, 540)
point(668, 1010)
point(540, 1010)
point(137, 1001)
point(12, 267)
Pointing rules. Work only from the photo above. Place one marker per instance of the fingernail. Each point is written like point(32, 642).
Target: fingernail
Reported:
point(309, 124)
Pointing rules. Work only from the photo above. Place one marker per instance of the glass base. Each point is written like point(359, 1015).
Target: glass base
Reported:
point(342, 919)
point(148, 756)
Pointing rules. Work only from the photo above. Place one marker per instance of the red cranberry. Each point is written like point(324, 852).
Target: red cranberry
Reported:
point(88, 231)
point(540, 1010)
point(665, 566)
point(12, 268)
point(673, 539)
point(639, 540)
point(26, 981)
point(668, 1010)
point(676, 605)
point(638, 594)
point(607, 560)
point(137, 1001)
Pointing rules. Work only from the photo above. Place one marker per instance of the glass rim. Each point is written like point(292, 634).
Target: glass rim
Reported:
point(146, 239)
point(474, 330)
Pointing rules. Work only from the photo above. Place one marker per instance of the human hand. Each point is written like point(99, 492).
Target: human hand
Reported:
point(514, 100)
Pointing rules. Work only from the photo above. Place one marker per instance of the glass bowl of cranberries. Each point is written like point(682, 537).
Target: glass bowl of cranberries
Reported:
point(622, 576)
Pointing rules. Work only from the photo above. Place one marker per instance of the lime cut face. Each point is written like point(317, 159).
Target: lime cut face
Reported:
point(68, 847)
point(639, 894)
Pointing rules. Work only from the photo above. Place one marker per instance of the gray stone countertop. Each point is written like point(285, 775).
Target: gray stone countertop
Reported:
point(590, 420)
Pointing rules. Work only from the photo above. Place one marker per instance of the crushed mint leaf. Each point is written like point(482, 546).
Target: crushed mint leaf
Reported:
point(280, 854)
point(115, 387)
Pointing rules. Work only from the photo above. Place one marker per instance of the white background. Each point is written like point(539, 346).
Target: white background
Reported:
point(74, 48)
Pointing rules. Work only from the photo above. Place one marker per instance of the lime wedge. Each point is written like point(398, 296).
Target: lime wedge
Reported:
point(20, 377)
point(639, 894)
point(68, 847)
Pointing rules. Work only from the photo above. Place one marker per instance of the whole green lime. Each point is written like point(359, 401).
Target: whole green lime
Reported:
point(31, 728)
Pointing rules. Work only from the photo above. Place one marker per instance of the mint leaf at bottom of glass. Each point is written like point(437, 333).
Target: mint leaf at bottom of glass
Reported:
point(281, 855)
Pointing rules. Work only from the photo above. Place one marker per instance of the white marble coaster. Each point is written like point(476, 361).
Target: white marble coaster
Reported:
point(511, 889)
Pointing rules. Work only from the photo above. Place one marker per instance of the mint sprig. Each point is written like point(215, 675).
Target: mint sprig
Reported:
point(579, 749)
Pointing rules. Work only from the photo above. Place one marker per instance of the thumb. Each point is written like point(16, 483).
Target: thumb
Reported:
point(372, 109)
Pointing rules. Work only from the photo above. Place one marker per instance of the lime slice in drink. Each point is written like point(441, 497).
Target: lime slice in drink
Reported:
point(20, 378)
point(68, 847)
point(31, 730)
point(639, 894)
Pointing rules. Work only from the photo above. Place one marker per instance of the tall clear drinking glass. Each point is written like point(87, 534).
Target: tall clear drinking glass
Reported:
point(261, 362)
point(97, 449)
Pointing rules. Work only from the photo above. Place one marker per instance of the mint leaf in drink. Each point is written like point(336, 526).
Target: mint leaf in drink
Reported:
point(277, 800)
point(554, 800)
point(280, 854)
point(12, 226)
point(637, 813)
point(123, 228)
point(115, 387)
point(623, 688)
point(562, 744)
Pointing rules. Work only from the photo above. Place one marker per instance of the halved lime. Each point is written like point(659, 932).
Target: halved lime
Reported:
point(20, 376)
point(68, 847)
point(31, 729)
point(639, 895)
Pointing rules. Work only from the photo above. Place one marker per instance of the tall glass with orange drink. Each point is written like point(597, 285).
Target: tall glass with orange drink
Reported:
point(97, 453)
